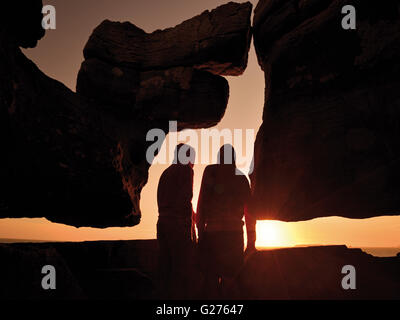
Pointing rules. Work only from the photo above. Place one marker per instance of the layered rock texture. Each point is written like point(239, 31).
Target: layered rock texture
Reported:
point(329, 143)
point(80, 158)
point(170, 74)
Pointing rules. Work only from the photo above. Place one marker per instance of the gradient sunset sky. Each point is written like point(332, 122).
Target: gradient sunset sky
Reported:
point(59, 55)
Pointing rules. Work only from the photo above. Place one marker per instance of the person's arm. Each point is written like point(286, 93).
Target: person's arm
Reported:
point(250, 223)
point(200, 213)
point(186, 184)
point(187, 195)
point(193, 217)
point(251, 230)
point(193, 227)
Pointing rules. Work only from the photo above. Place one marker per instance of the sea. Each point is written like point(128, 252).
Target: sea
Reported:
point(374, 251)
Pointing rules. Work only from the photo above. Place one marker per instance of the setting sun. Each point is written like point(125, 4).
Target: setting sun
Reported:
point(272, 234)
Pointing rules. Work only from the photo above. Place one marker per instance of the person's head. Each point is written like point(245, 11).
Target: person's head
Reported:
point(227, 155)
point(185, 154)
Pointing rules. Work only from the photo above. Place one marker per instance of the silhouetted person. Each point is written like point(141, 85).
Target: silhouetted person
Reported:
point(223, 202)
point(174, 226)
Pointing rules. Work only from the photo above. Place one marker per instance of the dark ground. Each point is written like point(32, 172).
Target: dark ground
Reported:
point(128, 270)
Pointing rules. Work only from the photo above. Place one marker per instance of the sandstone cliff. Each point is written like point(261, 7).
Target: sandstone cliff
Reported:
point(80, 158)
point(329, 142)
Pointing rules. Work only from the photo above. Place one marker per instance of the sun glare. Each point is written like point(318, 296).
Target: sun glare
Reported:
point(272, 234)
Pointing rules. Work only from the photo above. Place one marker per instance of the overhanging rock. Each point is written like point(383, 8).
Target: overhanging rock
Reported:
point(329, 143)
point(216, 41)
point(80, 158)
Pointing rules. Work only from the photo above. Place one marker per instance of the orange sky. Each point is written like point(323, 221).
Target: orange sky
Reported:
point(59, 55)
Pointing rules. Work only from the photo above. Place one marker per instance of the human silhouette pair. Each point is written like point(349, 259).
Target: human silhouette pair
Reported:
point(223, 203)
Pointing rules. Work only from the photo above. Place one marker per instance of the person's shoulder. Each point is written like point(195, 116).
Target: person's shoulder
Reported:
point(179, 169)
point(242, 177)
point(239, 173)
point(210, 168)
point(188, 169)
point(171, 170)
point(166, 171)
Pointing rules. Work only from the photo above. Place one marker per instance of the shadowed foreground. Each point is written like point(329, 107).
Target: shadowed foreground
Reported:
point(128, 269)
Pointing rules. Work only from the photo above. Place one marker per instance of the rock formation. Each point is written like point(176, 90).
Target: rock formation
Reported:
point(128, 270)
point(216, 41)
point(315, 273)
point(79, 158)
point(329, 142)
point(327, 146)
